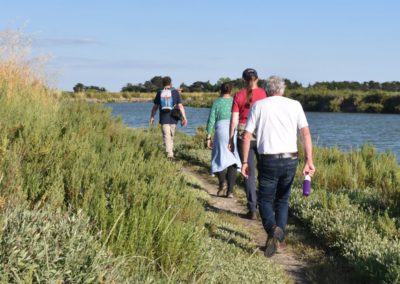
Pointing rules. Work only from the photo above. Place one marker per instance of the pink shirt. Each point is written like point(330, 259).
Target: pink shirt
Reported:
point(239, 102)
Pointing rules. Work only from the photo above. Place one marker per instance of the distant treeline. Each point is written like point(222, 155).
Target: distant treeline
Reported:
point(155, 84)
point(79, 88)
point(205, 86)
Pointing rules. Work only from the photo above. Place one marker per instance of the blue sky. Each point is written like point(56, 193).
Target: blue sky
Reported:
point(111, 43)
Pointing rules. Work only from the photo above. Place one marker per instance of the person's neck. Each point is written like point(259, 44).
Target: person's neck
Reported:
point(225, 96)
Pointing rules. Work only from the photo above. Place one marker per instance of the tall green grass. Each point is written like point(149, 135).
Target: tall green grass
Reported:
point(79, 158)
point(371, 178)
point(108, 96)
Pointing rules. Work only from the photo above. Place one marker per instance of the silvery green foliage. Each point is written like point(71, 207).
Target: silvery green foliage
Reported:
point(353, 232)
point(47, 247)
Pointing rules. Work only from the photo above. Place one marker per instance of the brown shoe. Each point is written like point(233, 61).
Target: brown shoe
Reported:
point(272, 241)
point(252, 215)
point(229, 195)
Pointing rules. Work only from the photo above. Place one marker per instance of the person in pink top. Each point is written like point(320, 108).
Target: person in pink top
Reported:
point(242, 103)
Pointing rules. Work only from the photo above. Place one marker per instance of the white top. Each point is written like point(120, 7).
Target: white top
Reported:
point(275, 120)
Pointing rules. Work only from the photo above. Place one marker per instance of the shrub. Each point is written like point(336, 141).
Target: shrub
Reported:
point(370, 107)
point(392, 104)
point(44, 246)
point(352, 232)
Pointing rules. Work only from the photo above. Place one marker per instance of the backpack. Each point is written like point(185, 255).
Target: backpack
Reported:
point(166, 100)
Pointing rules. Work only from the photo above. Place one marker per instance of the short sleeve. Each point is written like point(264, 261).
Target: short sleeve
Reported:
point(301, 118)
point(251, 119)
point(178, 98)
point(235, 104)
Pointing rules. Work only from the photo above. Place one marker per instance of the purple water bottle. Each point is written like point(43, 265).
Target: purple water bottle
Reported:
point(307, 185)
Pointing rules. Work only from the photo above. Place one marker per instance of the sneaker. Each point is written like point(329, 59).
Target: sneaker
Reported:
point(272, 241)
point(229, 195)
point(252, 215)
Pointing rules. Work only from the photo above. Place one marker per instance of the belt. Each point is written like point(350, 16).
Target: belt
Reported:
point(280, 156)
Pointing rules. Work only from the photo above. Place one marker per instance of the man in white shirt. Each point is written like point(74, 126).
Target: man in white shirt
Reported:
point(275, 120)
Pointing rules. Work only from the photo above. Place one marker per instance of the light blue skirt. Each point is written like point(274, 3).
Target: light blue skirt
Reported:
point(222, 157)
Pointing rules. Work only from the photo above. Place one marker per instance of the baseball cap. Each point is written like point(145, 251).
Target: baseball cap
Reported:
point(248, 73)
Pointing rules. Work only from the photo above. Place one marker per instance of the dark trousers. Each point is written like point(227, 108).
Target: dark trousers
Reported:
point(228, 176)
point(275, 177)
point(250, 182)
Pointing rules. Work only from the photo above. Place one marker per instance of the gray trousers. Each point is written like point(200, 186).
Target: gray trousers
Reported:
point(250, 182)
point(168, 132)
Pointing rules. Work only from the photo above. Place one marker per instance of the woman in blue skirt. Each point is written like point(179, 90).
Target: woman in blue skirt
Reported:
point(224, 163)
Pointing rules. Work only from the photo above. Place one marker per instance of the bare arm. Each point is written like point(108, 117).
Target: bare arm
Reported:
point(309, 168)
point(232, 128)
point(184, 119)
point(245, 153)
point(153, 113)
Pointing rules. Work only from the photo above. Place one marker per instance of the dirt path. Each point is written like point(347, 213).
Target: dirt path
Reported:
point(294, 267)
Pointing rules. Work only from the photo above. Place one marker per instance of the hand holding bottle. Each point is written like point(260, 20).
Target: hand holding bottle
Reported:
point(307, 185)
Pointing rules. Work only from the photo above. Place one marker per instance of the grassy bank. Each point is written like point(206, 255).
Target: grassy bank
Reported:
point(73, 156)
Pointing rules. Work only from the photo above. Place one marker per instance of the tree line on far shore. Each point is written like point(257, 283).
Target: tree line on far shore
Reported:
point(155, 84)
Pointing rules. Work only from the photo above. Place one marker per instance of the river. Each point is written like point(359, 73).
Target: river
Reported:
point(345, 130)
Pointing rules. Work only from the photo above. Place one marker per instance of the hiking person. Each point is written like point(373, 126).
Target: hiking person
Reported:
point(168, 100)
point(276, 121)
point(224, 163)
point(242, 103)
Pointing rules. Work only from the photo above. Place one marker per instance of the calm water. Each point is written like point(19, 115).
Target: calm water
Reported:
point(345, 130)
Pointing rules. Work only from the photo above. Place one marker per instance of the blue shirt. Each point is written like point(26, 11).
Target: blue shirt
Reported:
point(165, 116)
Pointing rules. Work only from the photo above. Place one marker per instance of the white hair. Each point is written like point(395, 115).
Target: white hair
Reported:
point(275, 85)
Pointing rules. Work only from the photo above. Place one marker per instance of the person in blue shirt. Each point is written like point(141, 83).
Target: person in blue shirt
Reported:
point(166, 100)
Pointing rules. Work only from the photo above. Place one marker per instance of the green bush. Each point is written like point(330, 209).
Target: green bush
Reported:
point(370, 107)
point(392, 104)
point(352, 232)
point(44, 246)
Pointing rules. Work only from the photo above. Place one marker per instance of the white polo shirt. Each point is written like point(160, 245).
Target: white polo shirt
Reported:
point(275, 120)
